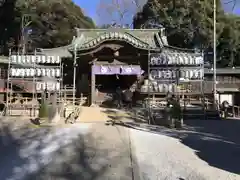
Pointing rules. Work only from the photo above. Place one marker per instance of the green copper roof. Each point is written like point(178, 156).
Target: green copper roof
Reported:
point(139, 38)
point(59, 51)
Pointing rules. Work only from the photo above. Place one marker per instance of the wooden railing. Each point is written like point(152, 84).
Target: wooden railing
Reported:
point(25, 100)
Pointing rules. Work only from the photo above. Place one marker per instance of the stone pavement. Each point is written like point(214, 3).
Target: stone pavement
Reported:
point(80, 151)
point(94, 151)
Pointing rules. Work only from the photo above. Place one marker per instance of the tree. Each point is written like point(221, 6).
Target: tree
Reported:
point(189, 24)
point(52, 23)
point(229, 41)
point(118, 11)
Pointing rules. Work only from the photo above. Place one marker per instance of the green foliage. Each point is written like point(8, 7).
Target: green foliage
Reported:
point(176, 111)
point(189, 24)
point(53, 22)
point(43, 111)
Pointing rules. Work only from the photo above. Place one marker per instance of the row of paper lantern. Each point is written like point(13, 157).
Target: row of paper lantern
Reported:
point(28, 59)
point(49, 86)
point(31, 72)
point(155, 87)
point(179, 60)
point(192, 74)
point(160, 88)
point(171, 74)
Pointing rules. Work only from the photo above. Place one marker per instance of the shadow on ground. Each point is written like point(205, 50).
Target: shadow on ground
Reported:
point(134, 114)
point(215, 142)
point(34, 154)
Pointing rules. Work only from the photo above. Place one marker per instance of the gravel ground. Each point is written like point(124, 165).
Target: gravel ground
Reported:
point(180, 157)
point(100, 152)
point(81, 151)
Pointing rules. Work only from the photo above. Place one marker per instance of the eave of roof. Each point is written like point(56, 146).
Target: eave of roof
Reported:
point(139, 38)
point(62, 52)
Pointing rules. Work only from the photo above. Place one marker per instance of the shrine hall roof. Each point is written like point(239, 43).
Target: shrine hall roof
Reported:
point(147, 39)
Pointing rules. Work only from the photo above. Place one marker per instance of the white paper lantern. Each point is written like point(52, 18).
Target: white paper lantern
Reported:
point(48, 72)
point(13, 59)
point(39, 72)
point(57, 60)
point(19, 59)
point(49, 59)
point(43, 86)
point(164, 60)
point(33, 60)
point(170, 88)
point(32, 72)
point(191, 60)
point(38, 59)
point(154, 74)
point(155, 86)
point(23, 59)
point(186, 61)
point(57, 86)
point(160, 87)
point(182, 58)
point(18, 72)
point(159, 74)
point(178, 59)
point(28, 59)
point(52, 72)
point(38, 86)
point(50, 86)
point(22, 72)
point(165, 87)
point(187, 74)
point(13, 72)
point(168, 74)
point(58, 73)
point(52, 59)
point(198, 74)
point(43, 59)
point(27, 71)
point(191, 74)
point(43, 72)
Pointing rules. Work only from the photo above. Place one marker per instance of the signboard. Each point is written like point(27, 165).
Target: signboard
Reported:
point(120, 70)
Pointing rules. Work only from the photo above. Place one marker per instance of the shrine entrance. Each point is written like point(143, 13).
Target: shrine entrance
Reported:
point(106, 81)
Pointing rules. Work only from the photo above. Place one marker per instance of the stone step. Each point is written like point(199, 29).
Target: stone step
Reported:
point(200, 114)
point(98, 114)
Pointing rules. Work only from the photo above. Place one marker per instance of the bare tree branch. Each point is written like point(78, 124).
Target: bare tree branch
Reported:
point(119, 11)
point(232, 2)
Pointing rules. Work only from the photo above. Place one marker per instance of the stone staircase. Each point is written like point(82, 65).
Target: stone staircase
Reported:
point(92, 114)
point(99, 114)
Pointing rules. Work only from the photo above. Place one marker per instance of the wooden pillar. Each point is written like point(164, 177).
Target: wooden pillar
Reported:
point(93, 82)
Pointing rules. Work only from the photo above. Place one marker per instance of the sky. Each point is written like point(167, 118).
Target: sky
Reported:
point(91, 7)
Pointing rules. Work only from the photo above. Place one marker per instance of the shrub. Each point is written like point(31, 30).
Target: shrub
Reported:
point(176, 111)
point(43, 111)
